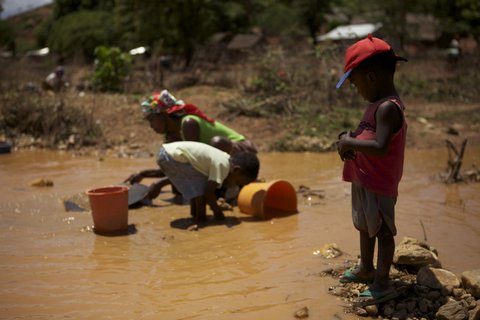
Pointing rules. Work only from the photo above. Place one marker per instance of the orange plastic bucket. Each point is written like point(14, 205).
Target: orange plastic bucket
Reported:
point(109, 209)
point(268, 200)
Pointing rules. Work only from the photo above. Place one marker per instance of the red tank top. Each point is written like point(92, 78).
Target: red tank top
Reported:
point(378, 174)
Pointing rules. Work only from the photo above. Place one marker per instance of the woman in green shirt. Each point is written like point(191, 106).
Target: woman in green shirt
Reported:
point(181, 121)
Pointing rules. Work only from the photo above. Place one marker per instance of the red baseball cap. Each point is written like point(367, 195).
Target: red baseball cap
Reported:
point(361, 51)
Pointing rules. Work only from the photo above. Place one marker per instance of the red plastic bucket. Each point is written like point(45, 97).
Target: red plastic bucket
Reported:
point(109, 207)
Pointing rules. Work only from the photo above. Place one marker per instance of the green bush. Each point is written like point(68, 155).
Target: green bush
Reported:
point(112, 66)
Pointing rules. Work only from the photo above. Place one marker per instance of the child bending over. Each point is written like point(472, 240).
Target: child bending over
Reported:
point(197, 170)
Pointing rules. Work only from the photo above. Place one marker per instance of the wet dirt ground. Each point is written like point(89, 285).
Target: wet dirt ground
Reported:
point(54, 267)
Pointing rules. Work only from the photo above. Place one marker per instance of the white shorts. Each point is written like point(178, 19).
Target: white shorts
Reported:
point(370, 210)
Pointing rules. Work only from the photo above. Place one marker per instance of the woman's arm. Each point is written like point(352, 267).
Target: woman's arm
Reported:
point(190, 130)
point(148, 173)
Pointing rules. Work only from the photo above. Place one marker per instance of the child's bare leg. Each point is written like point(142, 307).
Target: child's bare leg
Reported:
point(386, 249)
point(200, 207)
point(193, 208)
point(367, 249)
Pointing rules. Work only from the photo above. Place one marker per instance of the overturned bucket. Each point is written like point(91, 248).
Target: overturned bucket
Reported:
point(268, 200)
point(109, 207)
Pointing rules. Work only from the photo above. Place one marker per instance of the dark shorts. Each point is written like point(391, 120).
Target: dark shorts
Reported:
point(188, 181)
point(370, 210)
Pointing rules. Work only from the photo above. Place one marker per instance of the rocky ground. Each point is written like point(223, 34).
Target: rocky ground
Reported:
point(426, 290)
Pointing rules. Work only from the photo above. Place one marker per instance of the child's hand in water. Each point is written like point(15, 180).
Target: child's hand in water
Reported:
point(154, 190)
point(134, 178)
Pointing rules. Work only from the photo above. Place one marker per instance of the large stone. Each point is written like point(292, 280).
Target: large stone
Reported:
point(453, 310)
point(471, 282)
point(413, 252)
point(437, 279)
point(474, 314)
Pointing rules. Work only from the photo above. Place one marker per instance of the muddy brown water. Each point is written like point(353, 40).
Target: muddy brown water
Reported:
point(54, 267)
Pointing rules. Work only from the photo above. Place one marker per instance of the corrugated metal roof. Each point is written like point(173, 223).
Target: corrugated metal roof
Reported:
point(352, 31)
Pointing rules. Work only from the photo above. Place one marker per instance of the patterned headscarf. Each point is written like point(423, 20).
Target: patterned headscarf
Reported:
point(167, 103)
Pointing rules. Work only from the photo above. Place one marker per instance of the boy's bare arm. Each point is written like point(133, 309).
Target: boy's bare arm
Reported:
point(389, 119)
point(211, 199)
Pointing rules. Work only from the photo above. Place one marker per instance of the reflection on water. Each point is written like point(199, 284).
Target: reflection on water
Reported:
point(54, 266)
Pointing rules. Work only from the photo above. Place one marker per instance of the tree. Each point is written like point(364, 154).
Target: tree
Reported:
point(313, 14)
point(80, 32)
point(458, 17)
point(62, 8)
point(180, 25)
point(7, 33)
point(124, 24)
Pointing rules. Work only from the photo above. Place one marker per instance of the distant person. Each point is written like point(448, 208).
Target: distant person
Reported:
point(180, 121)
point(54, 81)
point(373, 158)
point(453, 52)
point(197, 170)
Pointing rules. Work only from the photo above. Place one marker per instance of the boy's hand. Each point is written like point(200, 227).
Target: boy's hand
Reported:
point(212, 200)
point(349, 155)
point(343, 148)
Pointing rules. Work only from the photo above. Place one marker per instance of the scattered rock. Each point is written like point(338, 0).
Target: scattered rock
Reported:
point(474, 314)
point(301, 313)
point(329, 251)
point(426, 294)
point(453, 310)
point(372, 310)
point(437, 279)
point(422, 120)
point(453, 131)
point(311, 196)
point(41, 183)
point(412, 252)
point(193, 227)
point(471, 282)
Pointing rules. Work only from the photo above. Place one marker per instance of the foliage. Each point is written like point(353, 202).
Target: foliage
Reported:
point(279, 18)
point(272, 76)
point(183, 24)
point(46, 119)
point(112, 66)
point(80, 32)
point(7, 36)
point(63, 8)
point(318, 132)
point(459, 17)
point(313, 14)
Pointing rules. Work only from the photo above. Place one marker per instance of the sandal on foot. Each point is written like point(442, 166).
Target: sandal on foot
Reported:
point(371, 297)
point(348, 276)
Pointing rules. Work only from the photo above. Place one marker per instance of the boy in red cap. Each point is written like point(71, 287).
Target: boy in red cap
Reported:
point(373, 162)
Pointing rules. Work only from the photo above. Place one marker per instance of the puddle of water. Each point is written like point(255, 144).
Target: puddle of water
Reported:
point(53, 265)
